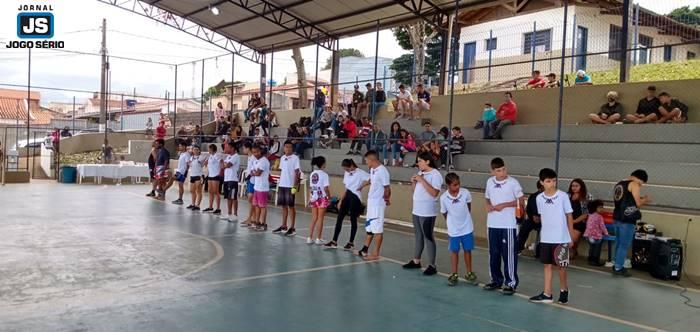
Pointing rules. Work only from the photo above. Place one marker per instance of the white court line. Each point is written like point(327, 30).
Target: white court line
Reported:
point(258, 233)
point(219, 254)
point(279, 274)
point(494, 322)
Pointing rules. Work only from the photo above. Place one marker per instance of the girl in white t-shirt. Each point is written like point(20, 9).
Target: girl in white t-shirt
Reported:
point(215, 169)
point(350, 203)
point(319, 197)
point(195, 165)
point(426, 189)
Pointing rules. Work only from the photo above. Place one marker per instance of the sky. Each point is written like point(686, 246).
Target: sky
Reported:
point(130, 35)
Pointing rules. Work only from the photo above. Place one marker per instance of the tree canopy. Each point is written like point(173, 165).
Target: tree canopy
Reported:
point(343, 52)
point(686, 15)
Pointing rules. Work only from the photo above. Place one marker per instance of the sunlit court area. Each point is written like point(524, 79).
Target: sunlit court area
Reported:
point(427, 165)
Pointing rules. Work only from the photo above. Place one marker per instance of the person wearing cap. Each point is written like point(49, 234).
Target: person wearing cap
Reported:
point(610, 112)
point(582, 78)
point(552, 81)
point(357, 98)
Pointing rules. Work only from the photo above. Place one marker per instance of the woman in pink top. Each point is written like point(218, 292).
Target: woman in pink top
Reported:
point(595, 231)
point(407, 143)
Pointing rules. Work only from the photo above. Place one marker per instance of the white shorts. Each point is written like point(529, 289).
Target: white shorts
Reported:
point(421, 105)
point(375, 219)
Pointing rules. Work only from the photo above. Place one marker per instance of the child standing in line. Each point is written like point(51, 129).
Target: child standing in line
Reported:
point(195, 165)
point(595, 231)
point(232, 163)
point(456, 206)
point(319, 198)
point(261, 189)
point(250, 183)
point(378, 198)
point(557, 220)
point(503, 193)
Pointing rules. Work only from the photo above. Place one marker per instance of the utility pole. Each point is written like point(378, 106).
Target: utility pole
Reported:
point(103, 80)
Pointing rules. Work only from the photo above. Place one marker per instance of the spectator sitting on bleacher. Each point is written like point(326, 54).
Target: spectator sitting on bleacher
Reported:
point(376, 140)
point(552, 81)
point(271, 118)
point(182, 132)
point(219, 112)
point(366, 103)
point(319, 103)
point(610, 112)
point(582, 78)
point(260, 137)
point(325, 120)
point(253, 103)
point(160, 130)
point(537, 81)
point(647, 108)
point(403, 103)
point(222, 126)
point(363, 133)
point(348, 130)
point(306, 142)
point(505, 116)
point(197, 136)
point(488, 116)
point(357, 99)
point(379, 100)
point(423, 103)
point(427, 135)
point(273, 153)
point(671, 110)
point(456, 147)
point(406, 144)
point(394, 137)
point(66, 132)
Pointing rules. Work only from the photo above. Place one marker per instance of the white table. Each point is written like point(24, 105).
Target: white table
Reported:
point(112, 171)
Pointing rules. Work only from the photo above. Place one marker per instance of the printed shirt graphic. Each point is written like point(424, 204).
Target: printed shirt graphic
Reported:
point(319, 182)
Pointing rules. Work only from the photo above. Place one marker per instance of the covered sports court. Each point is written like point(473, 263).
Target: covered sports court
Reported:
point(95, 258)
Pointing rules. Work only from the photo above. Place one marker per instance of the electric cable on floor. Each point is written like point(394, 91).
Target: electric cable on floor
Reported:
point(687, 299)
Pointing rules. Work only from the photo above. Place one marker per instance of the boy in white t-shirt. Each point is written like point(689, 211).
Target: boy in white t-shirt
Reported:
point(261, 172)
point(456, 206)
point(503, 194)
point(555, 211)
point(180, 172)
point(290, 176)
point(232, 163)
point(378, 198)
point(403, 102)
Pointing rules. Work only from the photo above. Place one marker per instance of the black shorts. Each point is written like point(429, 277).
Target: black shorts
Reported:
point(547, 252)
point(216, 178)
point(285, 197)
point(231, 190)
point(195, 179)
point(581, 227)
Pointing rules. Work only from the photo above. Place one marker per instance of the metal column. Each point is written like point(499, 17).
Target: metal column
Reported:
point(372, 108)
point(29, 99)
point(561, 91)
point(573, 46)
point(533, 41)
point(201, 102)
point(272, 67)
point(624, 60)
point(175, 105)
point(233, 60)
point(490, 54)
point(453, 58)
point(313, 134)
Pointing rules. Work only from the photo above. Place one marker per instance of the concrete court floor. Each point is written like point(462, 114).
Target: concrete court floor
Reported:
point(106, 258)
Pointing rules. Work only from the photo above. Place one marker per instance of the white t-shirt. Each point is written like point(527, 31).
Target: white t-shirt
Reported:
point(182, 162)
point(425, 205)
point(231, 173)
point(319, 181)
point(214, 165)
point(499, 192)
point(249, 167)
point(379, 178)
point(288, 167)
point(552, 211)
point(354, 180)
point(459, 219)
point(196, 164)
point(262, 181)
point(404, 95)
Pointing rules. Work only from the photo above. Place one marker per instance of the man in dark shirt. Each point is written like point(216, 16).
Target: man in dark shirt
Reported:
point(610, 112)
point(357, 98)
point(671, 110)
point(253, 103)
point(379, 100)
point(366, 102)
point(647, 108)
point(532, 222)
point(423, 102)
point(162, 170)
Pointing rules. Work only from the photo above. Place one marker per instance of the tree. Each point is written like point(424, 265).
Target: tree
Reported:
point(403, 65)
point(417, 37)
point(212, 92)
point(343, 52)
point(301, 77)
point(686, 15)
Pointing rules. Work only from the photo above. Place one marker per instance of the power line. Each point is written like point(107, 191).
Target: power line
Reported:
point(162, 40)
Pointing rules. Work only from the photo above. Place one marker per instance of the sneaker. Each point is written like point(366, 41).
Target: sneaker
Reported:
point(452, 279)
point(319, 242)
point(563, 297)
point(280, 230)
point(349, 247)
point(195, 208)
point(261, 228)
point(542, 298)
point(177, 202)
point(291, 232)
point(471, 278)
point(330, 245)
point(151, 194)
point(207, 210)
point(621, 273)
point(492, 286)
point(232, 218)
point(508, 290)
point(627, 264)
point(412, 265)
point(431, 270)
point(309, 240)
point(245, 224)
point(217, 212)
point(189, 207)
point(223, 217)
point(361, 253)
point(452, 167)
point(609, 264)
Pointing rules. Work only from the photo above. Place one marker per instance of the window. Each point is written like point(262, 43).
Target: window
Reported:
point(542, 43)
point(690, 55)
point(645, 42)
point(615, 43)
point(668, 53)
point(491, 44)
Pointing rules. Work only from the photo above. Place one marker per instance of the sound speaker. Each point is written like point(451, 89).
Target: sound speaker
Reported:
point(666, 259)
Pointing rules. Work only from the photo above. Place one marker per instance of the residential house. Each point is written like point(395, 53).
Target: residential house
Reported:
point(532, 30)
point(14, 105)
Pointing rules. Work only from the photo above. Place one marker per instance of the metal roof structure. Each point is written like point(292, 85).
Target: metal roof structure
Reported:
point(252, 28)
